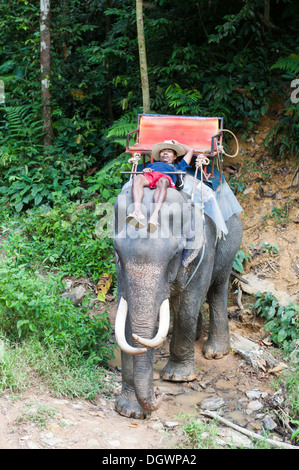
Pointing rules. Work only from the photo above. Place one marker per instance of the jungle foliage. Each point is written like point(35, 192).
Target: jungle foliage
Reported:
point(226, 58)
point(229, 59)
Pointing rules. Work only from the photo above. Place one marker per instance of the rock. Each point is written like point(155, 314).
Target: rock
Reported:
point(212, 404)
point(60, 402)
point(269, 424)
point(77, 406)
point(256, 284)
point(67, 422)
point(171, 424)
point(68, 283)
point(114, 443)
point(156, 425)
point(243, 400)
point(255, 355)
point(253, 394)
point(254, 405)
point(93, 444)
point(269, 193)
point(203, 384)
point(195, 387)
point(32, 445)
point(247, 190)
point(46, 435)
point(52, 441)
point(233, 438)
point(277, 399)
point(75, 295)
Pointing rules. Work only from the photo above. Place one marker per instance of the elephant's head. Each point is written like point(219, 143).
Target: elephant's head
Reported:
point(147, 264)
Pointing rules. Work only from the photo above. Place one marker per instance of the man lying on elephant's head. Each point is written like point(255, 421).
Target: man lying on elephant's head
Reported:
point(165, 155)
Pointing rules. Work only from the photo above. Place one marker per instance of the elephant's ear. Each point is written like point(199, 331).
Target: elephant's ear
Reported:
point(194, 234)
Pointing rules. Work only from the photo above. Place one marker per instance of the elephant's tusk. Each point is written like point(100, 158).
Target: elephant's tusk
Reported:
point(164, 319)
point(120, 323)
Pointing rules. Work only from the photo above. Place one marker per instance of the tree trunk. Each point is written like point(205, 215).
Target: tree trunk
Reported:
point(107, 63)
point(45, 59)
point(142, 57)
point(267, 10)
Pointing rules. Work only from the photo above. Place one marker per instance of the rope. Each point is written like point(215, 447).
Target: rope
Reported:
point(220, 147)
point(201, 160)
point(220, 151)
point(197, 266)
point(134, 160)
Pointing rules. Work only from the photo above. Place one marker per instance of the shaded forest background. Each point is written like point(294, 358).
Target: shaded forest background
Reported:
point(210, 58)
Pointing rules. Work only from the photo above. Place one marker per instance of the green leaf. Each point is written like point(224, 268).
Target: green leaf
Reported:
point(238, 265)
point(20, 323)
point(271, 313)
point(105, 193)
point(19, 185)
point(37, 200)
point(3, 189)
point(19, 206)
point(282, 334)
point(101, 296)
point(270, 325)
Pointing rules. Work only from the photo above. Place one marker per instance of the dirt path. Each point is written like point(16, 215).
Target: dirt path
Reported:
point(81, 424)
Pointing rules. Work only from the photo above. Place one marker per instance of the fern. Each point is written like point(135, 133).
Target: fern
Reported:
point(120, 128)
point(288, 64)
point(184, 101)
point(23, 124)
point(123, 125)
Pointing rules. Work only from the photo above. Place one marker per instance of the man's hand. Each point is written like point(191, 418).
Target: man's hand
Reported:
point(147, 170)
point(189, 151)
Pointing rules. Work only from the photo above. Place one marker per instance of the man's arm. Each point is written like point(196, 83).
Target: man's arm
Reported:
point(189, 151)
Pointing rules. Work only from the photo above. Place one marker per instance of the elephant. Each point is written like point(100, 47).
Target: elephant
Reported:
point(170, 272)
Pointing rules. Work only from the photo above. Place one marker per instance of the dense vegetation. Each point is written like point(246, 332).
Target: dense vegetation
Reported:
point(227, 58)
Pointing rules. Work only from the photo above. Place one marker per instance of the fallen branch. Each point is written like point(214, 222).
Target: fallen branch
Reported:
point(239, 277)
point(239, 297)
point(250, 434)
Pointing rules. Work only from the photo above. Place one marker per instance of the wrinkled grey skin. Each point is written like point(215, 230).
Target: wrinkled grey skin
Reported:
point(149, 270)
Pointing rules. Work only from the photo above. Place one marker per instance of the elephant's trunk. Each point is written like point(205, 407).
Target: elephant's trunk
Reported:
point(164, 319)
point(148, 399)
point(120, 322)
point(142, 357)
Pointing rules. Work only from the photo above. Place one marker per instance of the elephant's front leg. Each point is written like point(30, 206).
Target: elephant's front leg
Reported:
point(218, 343)
point(180, 366)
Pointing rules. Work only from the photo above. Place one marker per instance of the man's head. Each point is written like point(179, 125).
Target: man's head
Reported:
point(167, 151)
point(167, 156)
